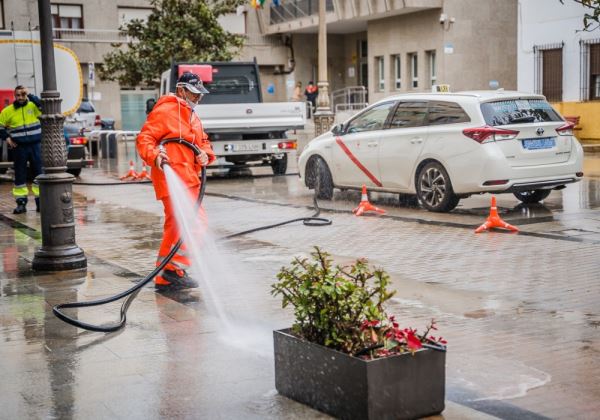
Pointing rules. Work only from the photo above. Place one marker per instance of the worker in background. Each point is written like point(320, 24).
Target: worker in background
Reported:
point(149, 105)
point(20, 127)
point(311, 92)
point(173, 116)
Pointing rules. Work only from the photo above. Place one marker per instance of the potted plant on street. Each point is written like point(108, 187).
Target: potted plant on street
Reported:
point(344, 354)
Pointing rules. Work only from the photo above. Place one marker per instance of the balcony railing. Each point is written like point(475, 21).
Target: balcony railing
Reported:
point(115, 36)
point(296, 9)
point(91, 35)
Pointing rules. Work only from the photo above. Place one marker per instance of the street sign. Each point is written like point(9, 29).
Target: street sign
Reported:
point(91, 71)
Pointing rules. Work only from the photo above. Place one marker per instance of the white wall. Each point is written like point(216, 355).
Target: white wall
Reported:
point(549, 22)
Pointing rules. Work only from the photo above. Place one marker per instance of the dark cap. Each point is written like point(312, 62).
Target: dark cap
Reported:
point(191, 82)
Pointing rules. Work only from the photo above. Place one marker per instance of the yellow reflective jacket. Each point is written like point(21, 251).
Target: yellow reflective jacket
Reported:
point(21, 123)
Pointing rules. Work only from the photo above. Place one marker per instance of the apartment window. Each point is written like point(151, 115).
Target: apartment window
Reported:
point(397, 71)
point(67, 16)
point(127, 14)
point(589, 64)
point(380, 65)
point(549, 71)
point(414, 70)
point(2, 14)
point(594, 72)
point(432, 67)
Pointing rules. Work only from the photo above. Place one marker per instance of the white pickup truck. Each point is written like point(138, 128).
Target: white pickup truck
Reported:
point(244, 131)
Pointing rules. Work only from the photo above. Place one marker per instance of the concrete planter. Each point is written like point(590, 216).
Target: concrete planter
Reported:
point(396, 387)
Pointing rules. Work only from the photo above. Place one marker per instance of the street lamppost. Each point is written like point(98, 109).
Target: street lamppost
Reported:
point(59, 251)
point(323, 116)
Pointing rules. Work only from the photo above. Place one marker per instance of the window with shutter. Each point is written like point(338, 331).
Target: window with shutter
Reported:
point(594, 71)
point(552, 74)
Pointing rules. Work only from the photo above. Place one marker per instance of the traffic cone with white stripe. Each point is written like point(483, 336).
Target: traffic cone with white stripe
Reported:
point(364, 205)
point(494, 220)
point(144, 174)
point(131, 174)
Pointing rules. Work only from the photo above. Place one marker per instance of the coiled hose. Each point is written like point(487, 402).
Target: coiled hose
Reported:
point(132, 292)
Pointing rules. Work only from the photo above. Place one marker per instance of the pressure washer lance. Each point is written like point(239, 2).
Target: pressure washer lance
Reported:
point(132, 293)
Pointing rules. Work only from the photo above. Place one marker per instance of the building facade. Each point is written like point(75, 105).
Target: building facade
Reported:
point(559, 60)
point(385, 46)
point(395, 46)
point(90, 28)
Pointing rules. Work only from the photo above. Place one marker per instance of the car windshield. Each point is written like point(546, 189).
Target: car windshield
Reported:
point(86, 107)
point(518, 111)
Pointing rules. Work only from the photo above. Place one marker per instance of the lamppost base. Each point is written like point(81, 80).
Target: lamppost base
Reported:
point(323, 121)
point(58, 251)
point(59, 259)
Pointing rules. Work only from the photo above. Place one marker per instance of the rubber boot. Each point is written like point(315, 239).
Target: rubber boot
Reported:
point(21, 206)
point(37, 204)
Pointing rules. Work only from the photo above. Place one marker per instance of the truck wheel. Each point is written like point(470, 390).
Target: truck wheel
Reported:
point(75, 172)
point(323, 180)
point(279, 166)
point(534, 196)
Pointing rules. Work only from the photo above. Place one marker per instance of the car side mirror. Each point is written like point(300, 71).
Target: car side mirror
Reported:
point(337, 129)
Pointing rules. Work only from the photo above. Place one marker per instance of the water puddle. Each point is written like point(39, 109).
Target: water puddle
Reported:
point(494, 378)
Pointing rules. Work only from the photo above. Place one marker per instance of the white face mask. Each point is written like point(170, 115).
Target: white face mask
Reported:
point(190, 102)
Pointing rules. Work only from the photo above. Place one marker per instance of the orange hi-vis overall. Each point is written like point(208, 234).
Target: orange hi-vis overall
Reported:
point(170, 118)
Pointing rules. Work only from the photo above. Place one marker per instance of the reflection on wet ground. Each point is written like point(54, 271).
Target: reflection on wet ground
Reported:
point(520, 311)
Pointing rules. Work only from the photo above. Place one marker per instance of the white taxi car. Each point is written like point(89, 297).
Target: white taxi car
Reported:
point(442, 147)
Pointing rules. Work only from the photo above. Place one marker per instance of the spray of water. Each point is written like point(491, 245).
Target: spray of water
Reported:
point(211, 268)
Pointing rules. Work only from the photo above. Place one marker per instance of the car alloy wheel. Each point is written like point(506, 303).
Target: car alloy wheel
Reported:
point(435, 190)
point(433, 187)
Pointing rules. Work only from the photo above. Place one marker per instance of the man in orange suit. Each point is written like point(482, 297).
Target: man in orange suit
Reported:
point(173, 116)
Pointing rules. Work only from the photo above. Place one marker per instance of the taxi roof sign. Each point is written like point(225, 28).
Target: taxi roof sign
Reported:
point(440, 89)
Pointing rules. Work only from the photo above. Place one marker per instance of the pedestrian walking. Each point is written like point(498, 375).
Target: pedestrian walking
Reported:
point(311, 93)
point(20, 127)
point(297, 96)
point(173, 116)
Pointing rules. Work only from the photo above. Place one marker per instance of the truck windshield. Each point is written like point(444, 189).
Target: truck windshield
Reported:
point(518, 111)
point(230, 85)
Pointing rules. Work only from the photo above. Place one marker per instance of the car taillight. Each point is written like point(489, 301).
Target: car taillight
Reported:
point(486, 134)
point(287, 145)
point(98, 120)
point(78, 140)
point(566, 129)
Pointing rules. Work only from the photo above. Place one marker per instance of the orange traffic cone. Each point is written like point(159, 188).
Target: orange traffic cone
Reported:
point(131, 174)
point(365, 206)
point(144, 174)
point(494, 220)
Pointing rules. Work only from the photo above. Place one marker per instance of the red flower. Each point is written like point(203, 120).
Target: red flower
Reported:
point(368, 324)
point(412, 341)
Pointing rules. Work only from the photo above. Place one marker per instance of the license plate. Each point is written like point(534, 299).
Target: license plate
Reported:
point(252, 147)
point(541, 143)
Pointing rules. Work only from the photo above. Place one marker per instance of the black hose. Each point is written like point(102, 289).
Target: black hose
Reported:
point(132, 293)
point(313, 220)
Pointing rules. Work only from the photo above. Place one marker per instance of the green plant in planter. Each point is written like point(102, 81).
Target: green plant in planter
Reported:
point(342, 307)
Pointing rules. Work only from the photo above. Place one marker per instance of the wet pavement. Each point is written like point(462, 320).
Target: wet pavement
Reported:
point(520, 311)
